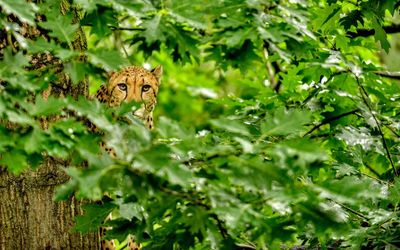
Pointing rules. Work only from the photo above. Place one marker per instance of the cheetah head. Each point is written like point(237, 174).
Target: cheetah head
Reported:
point(136, 84)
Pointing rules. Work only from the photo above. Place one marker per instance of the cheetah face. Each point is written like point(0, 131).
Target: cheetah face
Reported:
point(135, 84)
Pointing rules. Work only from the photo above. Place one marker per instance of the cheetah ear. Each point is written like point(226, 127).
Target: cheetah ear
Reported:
point(110, 74)
point(157, 72)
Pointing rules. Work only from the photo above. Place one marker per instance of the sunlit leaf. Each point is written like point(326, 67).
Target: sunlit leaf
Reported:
point(93, 217)
point(25, 11)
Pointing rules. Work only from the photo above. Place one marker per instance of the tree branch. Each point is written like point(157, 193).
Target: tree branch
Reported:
point(392, 130)
point(125, 28)
point(371, 169)
point(245, 247)
point(351, 210)
point(390, 29)
point(273, 69)
point(329, 120)
point(387, 74)
point(364, 96)
point(194, 201)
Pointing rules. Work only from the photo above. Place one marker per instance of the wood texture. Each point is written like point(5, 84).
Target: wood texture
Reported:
point(30, 219)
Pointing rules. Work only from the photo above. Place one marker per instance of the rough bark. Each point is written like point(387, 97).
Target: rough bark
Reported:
point(29, 218)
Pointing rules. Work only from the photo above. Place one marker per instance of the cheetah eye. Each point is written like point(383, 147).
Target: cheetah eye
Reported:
point(122, 86)
point(146, 88)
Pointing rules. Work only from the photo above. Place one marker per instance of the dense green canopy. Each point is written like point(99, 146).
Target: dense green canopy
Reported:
point(277, 123)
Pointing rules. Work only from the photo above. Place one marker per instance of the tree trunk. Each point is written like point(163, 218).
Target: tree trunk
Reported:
point(29, 218)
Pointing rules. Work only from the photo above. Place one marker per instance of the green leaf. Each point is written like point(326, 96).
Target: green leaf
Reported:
point(235, 39)
point(69, 126)
point(65, 191)
point(302, 151)
point(35, 141)
point(153, 31)
point(131, 210)
point(394, 190)
point(40, 45)
point(351, 19)
point(247, 146)
point(15, 161)
point(61, 27)
point(350, 189)
point(285, 122)
point(6, 138)
point(109, 59)
point(155, 158)
point(76, 70)
point(44, 107)
point(380, 35)
point(121, 228)
point(232, 126)
point(183, 43)
point(93, 217)
point(332, 14)
point(134, 8)
point(25, 11)
point(170, 129)
point(15, 61)
point(178, 174)
point(89, 5)
point(20, 118)
point(88, 182)
point(193, 16)
point(101, 19)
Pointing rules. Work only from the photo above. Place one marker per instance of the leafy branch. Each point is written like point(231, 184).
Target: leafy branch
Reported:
point(389, 29)
point(331, 119)
point(220, 224)
point(366, 100)
point(190, 197)
point(272, 68)
point(387, 74)
point(126, 28)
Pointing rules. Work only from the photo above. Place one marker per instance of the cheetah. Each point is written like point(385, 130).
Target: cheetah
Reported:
point(131, 84)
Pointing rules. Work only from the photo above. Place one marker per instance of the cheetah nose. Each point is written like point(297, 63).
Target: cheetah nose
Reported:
point(139, 113)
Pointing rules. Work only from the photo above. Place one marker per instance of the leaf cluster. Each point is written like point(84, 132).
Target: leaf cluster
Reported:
point(274, 127)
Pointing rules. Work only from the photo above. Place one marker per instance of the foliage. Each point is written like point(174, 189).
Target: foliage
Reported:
point(274, 127)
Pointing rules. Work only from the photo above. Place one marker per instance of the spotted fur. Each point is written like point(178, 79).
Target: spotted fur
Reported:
point(131, 84)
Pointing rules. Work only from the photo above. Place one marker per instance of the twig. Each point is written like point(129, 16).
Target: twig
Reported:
point(221, 226)
point(390, 29)
point(329, 120)
point(117, 35)
point(364, 96)
point(245, 246)
point(392, 130)
point(389, 244)
point(220, 223)
point(126, 28)
point(387, 74)
point(273, 68)
point(373, 178)
point(10, 42)
point(371, 169)
point(317, 90)
point(271, 73)
point(192, 199)
point(351, 210)
point(207, 159)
